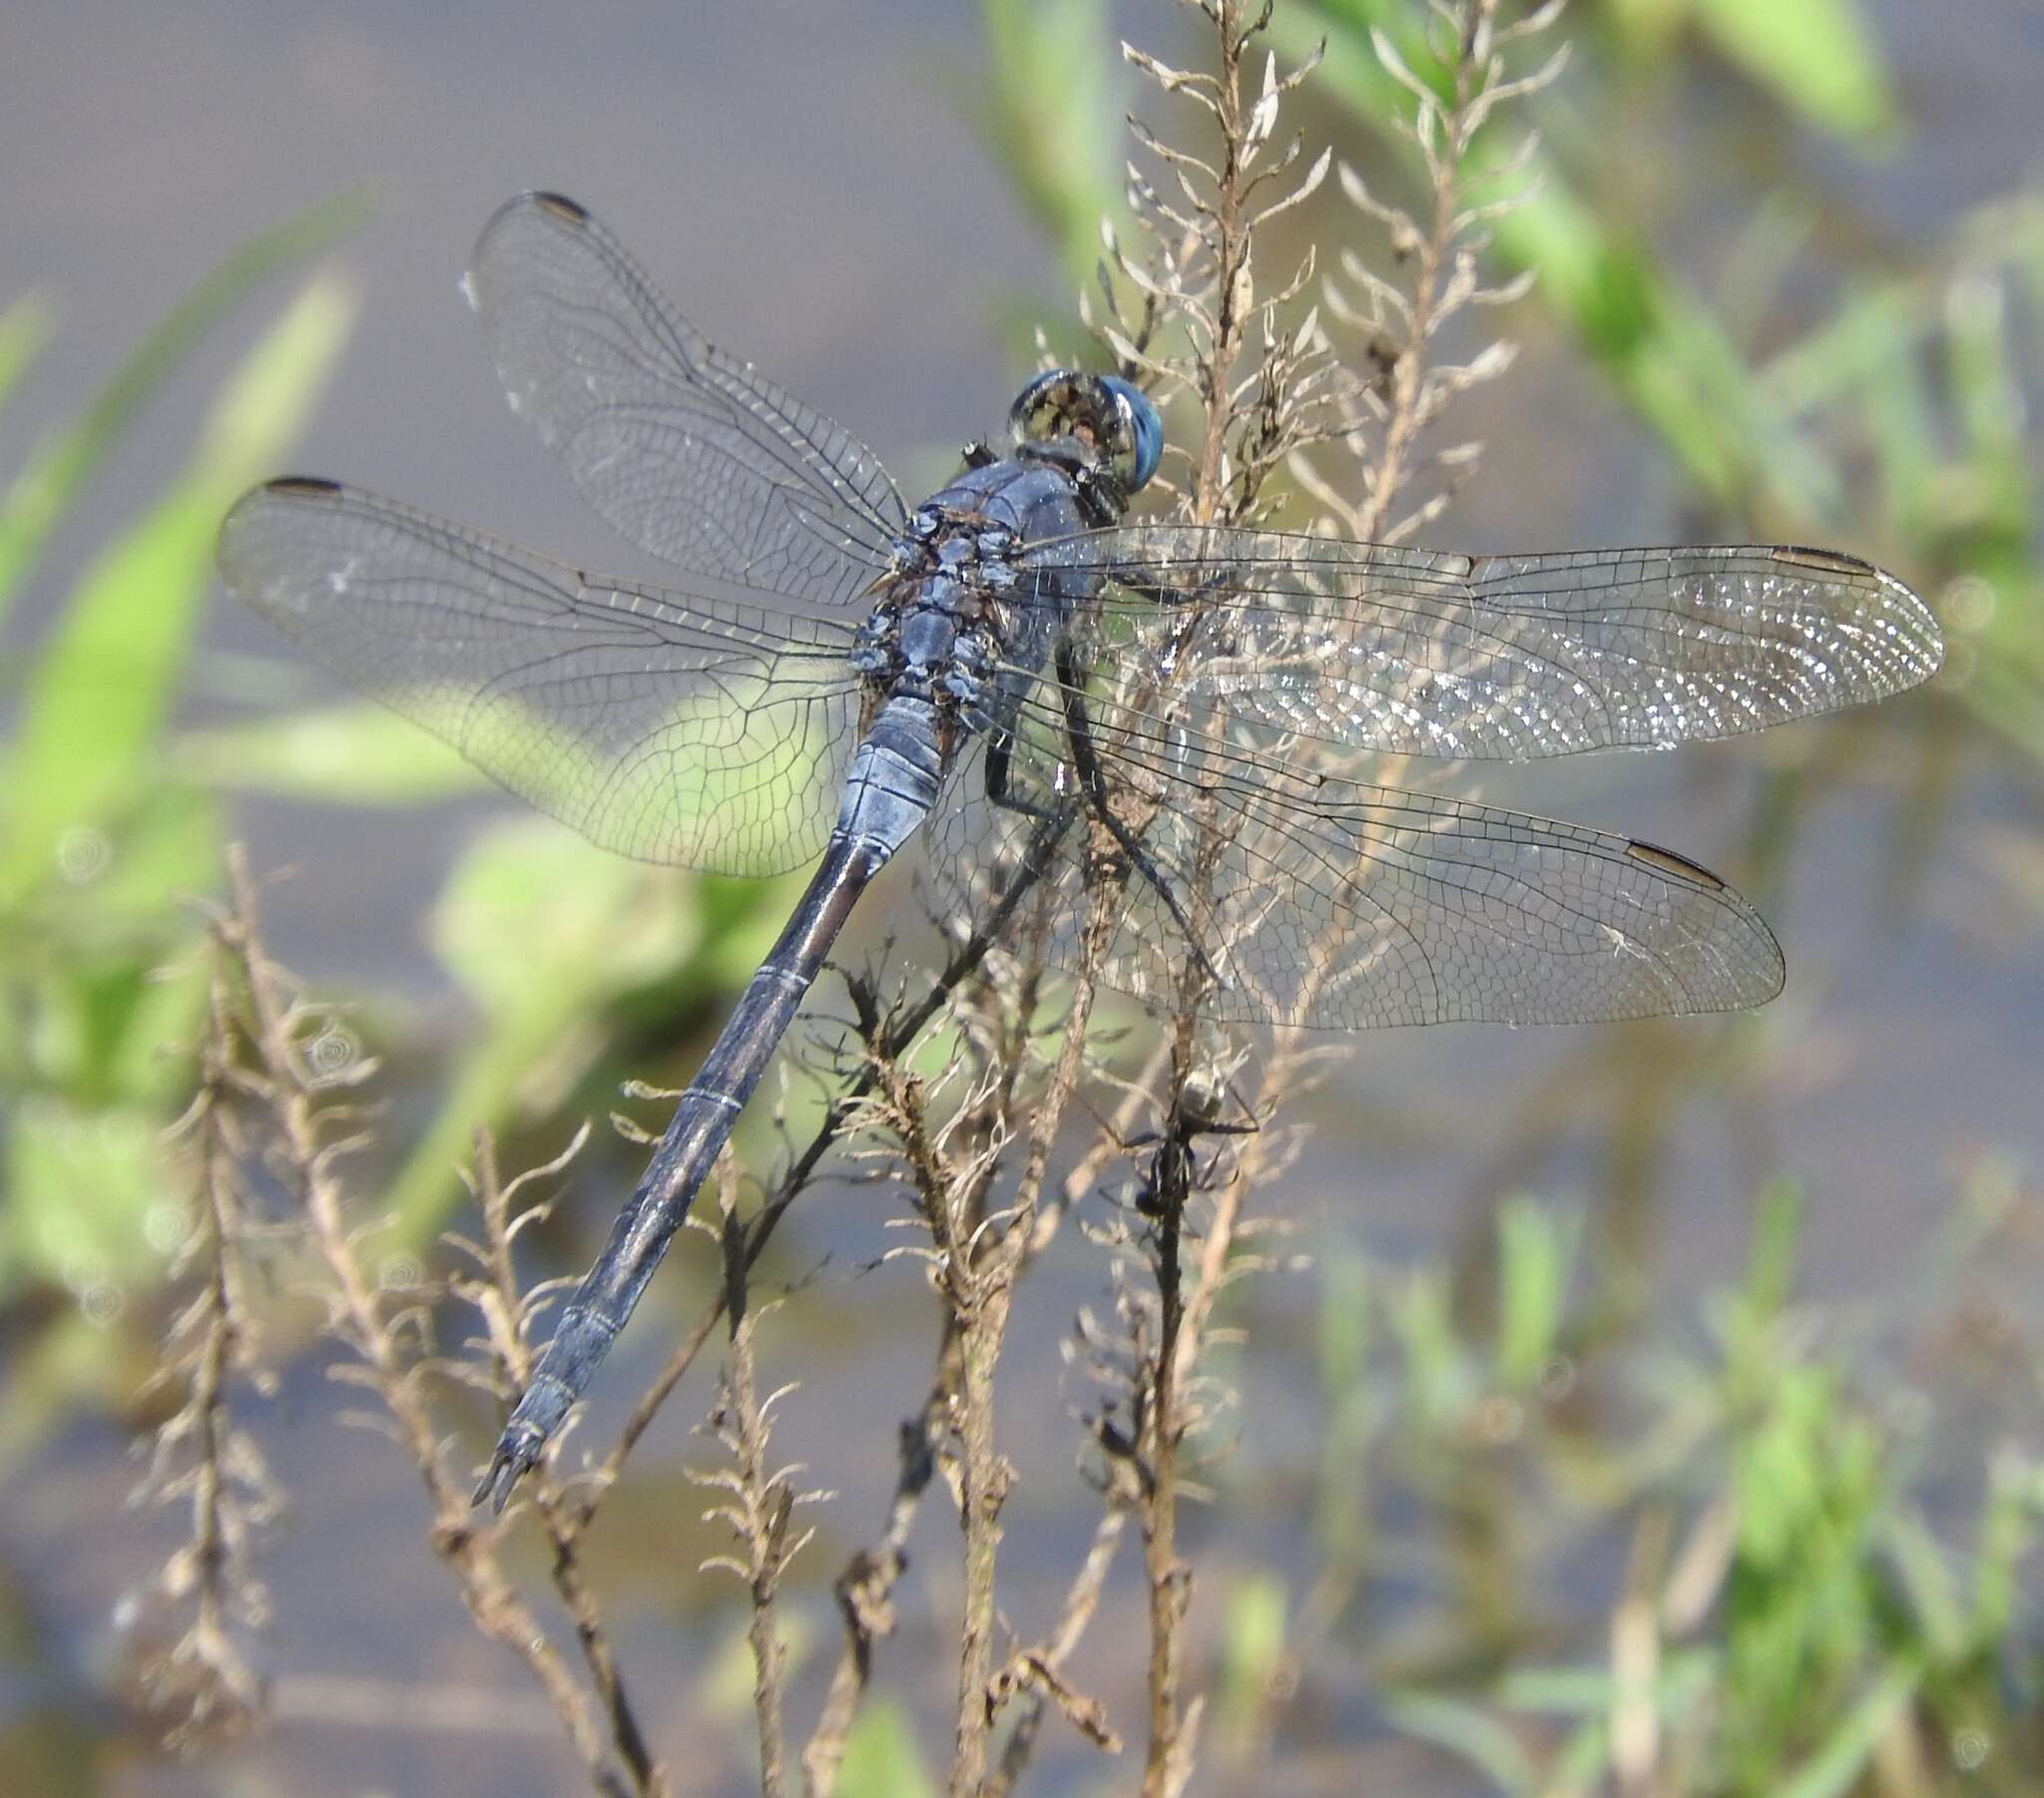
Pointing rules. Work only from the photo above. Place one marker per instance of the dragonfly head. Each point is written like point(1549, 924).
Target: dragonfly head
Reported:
point(1111, 421)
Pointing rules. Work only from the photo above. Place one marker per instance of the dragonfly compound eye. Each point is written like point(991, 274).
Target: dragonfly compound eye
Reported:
point(1145, 431)
point(1109, 418)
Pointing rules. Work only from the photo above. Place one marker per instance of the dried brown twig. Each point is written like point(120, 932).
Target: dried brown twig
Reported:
point(761, 1499)
point(198, 1456)
point(493, 1292)
point(1296, 403)
point(299, 1127)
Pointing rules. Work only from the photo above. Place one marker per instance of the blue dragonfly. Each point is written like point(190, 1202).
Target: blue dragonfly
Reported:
point(1057, 698)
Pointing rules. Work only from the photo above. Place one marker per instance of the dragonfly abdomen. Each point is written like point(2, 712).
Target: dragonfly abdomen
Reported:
point(896, 772)
point(702, 1120)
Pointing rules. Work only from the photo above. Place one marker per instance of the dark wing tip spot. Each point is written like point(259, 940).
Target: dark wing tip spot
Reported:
point(561, 207)
point(1832, 561)
point(302, 487)
point(1666, 861)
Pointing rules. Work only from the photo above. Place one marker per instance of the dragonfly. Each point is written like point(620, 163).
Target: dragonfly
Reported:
point(1060, 700)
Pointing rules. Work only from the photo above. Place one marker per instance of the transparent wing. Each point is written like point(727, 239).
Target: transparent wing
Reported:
point(1416, 653)
point(1333, 904)
point(700, 728)
point(694, 456)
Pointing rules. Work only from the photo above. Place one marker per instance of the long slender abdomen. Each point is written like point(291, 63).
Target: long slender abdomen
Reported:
point(892, 786)
point(700, 1126)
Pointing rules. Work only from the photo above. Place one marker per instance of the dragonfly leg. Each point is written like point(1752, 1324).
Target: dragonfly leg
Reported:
point(998, 793)
point(1093, 782)
point(1139, 860)
point(999, 756)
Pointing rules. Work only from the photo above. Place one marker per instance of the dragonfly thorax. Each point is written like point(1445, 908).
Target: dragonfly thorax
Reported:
point(938, 622)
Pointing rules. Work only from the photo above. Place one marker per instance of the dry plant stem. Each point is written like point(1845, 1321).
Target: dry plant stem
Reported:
point(865, 1596)
point(208, 1400)
point(1170, 1580)
point(208, 1563)
point(1081, 1600)
point(982, 1305)
point(1231, 245)
point(767, 1502)
point(984, 1480)
point(1247, 422)
point(1389, 468)
point(973, 1263)
point(309, 1154)
point(1228, 218)
point(556, 1515)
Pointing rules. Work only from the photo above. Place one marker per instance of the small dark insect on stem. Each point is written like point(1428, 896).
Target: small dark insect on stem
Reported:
point(1173, 1176)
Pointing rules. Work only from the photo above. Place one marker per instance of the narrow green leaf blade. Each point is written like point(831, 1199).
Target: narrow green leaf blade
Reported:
point(1820, 58)
point(61, 464)
point(106, 681)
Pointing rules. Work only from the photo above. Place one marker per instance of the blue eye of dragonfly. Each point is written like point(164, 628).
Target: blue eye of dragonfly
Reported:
point(1110, 419)
point(1146, 427)
point(829, 672)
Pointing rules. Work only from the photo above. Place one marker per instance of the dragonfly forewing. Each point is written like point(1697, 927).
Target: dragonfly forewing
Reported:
point(700, 728)
point(693, 455)
point(1512, 658)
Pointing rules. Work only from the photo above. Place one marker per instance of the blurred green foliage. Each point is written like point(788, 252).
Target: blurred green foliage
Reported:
point(1794, 1618)
point(1895, 421)
point(881, 1756)
point(112, 831)
point(102, 855)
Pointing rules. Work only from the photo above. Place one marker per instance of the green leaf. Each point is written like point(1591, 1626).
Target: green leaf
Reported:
point(1819, 57)
point(1438, 1382)
point(59, 466)
point(1658, 341)
point(1923, 1570)
point(1669, 356)
point(1051, 117)
point(531, 909)
point(24, 332)
point(1252, 1650)
point(102, 970)
point(881, 1759)
point(1845, 1753)
point(1777, 1243)
point(547, 934)
point(543, 931)
point(79, 1357)
point(1535, 1257)
point(80, 1182)
point(2009, 1527)
point(1344, 1333)
point(1467, 1731)
point(355, 754)
point(105, 682)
